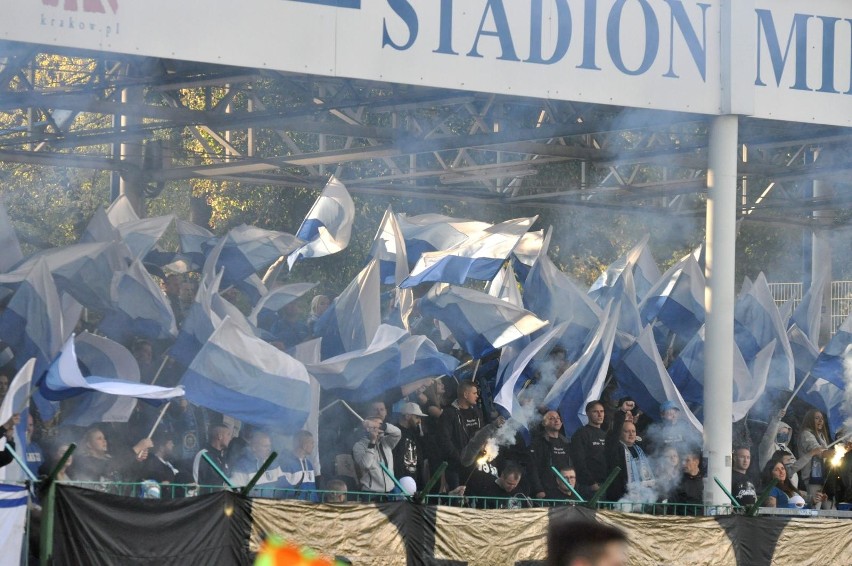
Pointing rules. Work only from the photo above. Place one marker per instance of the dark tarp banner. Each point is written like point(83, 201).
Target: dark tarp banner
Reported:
point(95, 528)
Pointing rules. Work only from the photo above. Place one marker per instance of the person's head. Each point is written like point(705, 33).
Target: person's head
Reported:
point(669, 412)
point(626, 404)
point(742, 459)
point(814, 421)
point(411, 415)
point(784, 434)
point(290, 311)
point(468, 394)
point(551, 423)
point(570, 474)
point(143, 351)
point(670, 457)
point(320, 304)
point(187, 292)
point(585, 543)
point(692, 463)
point(303, 443)
point(774, 468)
point(260, 445)
point(510, 477)
point(377, 410)
point(164, 444)
point(172, 284)
point(30, 426)
point(595, 412)
point(95, 443)
point(220, 436)
point(339, 489)
point(628, 433)
point(60, 451)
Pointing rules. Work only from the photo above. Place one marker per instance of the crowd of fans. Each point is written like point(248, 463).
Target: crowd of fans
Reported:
point(400, 440)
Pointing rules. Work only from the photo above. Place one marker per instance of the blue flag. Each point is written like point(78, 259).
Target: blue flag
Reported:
point(829, 364)
point(328, 224)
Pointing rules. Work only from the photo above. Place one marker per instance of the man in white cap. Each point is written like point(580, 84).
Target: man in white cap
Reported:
point(408, 453)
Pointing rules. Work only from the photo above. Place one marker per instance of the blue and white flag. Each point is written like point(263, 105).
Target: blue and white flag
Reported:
point(265, 312)
point(121, 211)
point(366, 373)
point(138, 308)
point(805, 353)
point(247, 249)
point(504, 286)
point(435, 232)
point(757, 322)
point(419, 358)
point(829, 364)
point(687, 370)
point(243, 377)
point(193, 239)
point(808, 314)
point(552, 295)
point(142, 235)
point(8, 243)
point(646, 274)
point(309, 353)
point(480, 256)
point(199, 324)
point(479, 323)
point(13, 521)
point(328, 224)
point(104, 358)
point(83, 270)
point(31, 324)
point(642, 375)
point(18, 393)
point(677, 300)
point(526, 252)
point(389, 248)
point(514, 364)
point(64, 380)
point(612, 276)
point(99, 228)
point(749, 386)
point(351, 321)
point(584, 380)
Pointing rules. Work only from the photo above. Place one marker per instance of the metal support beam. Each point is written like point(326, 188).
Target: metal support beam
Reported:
point(719, 300)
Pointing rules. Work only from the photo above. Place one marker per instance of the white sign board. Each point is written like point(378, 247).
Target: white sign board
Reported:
point(661, 54)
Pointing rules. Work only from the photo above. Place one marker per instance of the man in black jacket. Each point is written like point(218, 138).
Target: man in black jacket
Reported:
point(456, 426)
point(588, 450)
point(549, 449)
point(408, 453)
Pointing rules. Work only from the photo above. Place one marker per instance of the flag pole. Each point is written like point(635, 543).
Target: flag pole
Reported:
point(159, 371)
point(160, 418)
point(796, 391)
point(351, 410)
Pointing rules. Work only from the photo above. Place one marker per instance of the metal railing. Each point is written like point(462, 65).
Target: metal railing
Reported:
point(841, 299)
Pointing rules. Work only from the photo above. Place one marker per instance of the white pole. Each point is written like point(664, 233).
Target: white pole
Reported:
point(719, 300)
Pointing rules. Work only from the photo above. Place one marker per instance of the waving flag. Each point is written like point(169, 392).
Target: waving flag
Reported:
point(504, 286)
point(64, 380)
point(479, 323)
point(552, 295)
point(513, 364)
point(99, 228)
point(583, 381)
point(805, 353)
point(389, 248)
point(350, 323)
point(83, 270)
point(328, 225)
point(193, 239)
point(646, 274)
point(8, 243)
point(31, 324)
point(808, 313)
point(828, 398)
point(199, 324)
point(265, 312)
point(829, 364)
point(364, 374)
point(243, 377)
point(141, 235)
point(138, 308)
point(104, 358)
point(121, 211)
point(677, 300)
point(613, 274)
point(419, 358)
point(434, 232)
point(480, 256)
point(247, 249)
point(18, 392)
point(749, 387)
point(756, 323)
point(642, 375)
point(526, 252)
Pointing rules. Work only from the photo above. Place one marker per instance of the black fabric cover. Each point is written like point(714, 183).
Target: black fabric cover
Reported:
point(95, 528)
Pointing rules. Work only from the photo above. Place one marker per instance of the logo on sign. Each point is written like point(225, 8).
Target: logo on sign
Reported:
point(91, 6)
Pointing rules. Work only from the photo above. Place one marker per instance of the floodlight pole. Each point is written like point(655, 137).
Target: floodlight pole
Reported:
point(719, 298)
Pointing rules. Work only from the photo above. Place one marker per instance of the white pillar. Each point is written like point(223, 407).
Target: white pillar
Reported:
point(719, 300)
point(821, 258)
